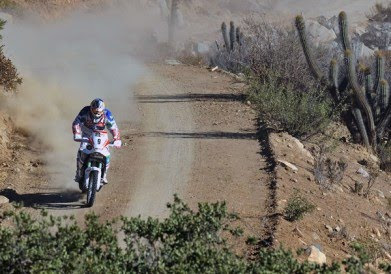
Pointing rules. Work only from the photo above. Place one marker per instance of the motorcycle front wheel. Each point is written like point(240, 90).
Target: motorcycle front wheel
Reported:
point(92, 185)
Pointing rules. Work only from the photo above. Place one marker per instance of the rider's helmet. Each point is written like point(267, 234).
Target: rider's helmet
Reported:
point(97, 108)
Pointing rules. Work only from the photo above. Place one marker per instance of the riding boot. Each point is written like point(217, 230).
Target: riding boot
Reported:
point(79, 167)
point(104, 178)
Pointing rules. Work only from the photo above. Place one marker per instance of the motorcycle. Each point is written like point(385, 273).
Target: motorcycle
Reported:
point(96, 150)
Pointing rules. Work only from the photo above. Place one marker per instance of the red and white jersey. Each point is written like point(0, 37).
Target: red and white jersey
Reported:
point(85, 123)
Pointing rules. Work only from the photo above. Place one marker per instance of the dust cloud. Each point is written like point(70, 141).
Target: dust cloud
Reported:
point(67, 63)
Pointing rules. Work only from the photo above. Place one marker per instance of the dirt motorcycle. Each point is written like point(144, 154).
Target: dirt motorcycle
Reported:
point(96, 151)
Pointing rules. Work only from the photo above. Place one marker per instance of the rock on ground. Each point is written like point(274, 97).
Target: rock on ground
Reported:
point(363, 172)
point(316, 256)
point(288, 165)
point(4, 200)
point(319, 33)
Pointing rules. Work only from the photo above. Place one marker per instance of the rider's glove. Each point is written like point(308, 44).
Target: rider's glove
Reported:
point(76, 136)
point(117, 143)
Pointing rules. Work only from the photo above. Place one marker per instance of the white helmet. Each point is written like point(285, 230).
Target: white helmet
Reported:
point(97, 107)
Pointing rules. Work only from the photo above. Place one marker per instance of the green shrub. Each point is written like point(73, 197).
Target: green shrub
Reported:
point(283, 108)
point(184, 242)
point(297, 207)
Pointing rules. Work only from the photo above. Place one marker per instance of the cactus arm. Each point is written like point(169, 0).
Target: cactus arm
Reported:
point(232, 35)
point(379, 71)
point(238, 36)
point(344, 30)
point(376, 89)
point(225, 35)
point(333, 73)
point(360, 96)
point(361, 126)
point(217, 46)
point(315, 70)
point(385, 94)
point(361, 73)
point(384, 122)
point(333, 79)
point(368, 83)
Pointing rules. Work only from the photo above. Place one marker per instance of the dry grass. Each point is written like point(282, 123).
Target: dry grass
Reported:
point(381, 13)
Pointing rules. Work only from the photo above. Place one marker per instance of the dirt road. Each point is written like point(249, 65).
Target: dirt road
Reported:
point(195, 137)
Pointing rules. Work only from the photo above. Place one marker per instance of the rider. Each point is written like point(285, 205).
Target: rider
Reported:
point(94, 116)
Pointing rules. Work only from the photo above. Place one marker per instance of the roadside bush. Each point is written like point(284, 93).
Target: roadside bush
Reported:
point(284, 108)
point(9, 77)
point(297, 207)
point(184, 242)
point(281, 86)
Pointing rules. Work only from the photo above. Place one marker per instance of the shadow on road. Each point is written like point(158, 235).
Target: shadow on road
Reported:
point(194, 97)
point(202, 135)
point(69, 199)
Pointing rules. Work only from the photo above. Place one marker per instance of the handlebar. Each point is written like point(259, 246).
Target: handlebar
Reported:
point(82, 140)
point(86, 140)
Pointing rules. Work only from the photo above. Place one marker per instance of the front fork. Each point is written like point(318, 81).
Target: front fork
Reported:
point(87, 172)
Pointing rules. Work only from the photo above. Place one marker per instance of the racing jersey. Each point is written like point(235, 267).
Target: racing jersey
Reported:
point(85, 123)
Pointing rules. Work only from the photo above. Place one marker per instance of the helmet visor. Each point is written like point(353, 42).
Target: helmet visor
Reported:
point(97, 112)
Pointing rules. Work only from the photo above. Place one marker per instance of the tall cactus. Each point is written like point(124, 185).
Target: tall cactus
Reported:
point(385, 94)
point(361, 126)
point(225, 35)
point(239, 37)
point(333, 79)
point(360, 96)
point(232, 35)
point(380, 63)
point(371, 108)
point(344, 30)
point(300, 25)
point(369, 87)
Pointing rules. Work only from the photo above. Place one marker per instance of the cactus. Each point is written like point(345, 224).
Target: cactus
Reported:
point(333, 78)
point(361, 73)
point(359, 95)
point(217, 46)
point(344, 30)
point(225, 35)
point(379, 70)
point(385, 94)
point(361, 126)
point(239, 37)
point(300, 25)
point(368, 87)
point(371, 108)
point(232, 35)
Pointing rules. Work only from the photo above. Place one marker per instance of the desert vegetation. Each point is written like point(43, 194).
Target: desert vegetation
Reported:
point(285, 93)
point(338, 84)
point(9, 78)
point(186, 241)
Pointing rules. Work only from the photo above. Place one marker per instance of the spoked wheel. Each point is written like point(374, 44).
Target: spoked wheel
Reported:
point(92, 185)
